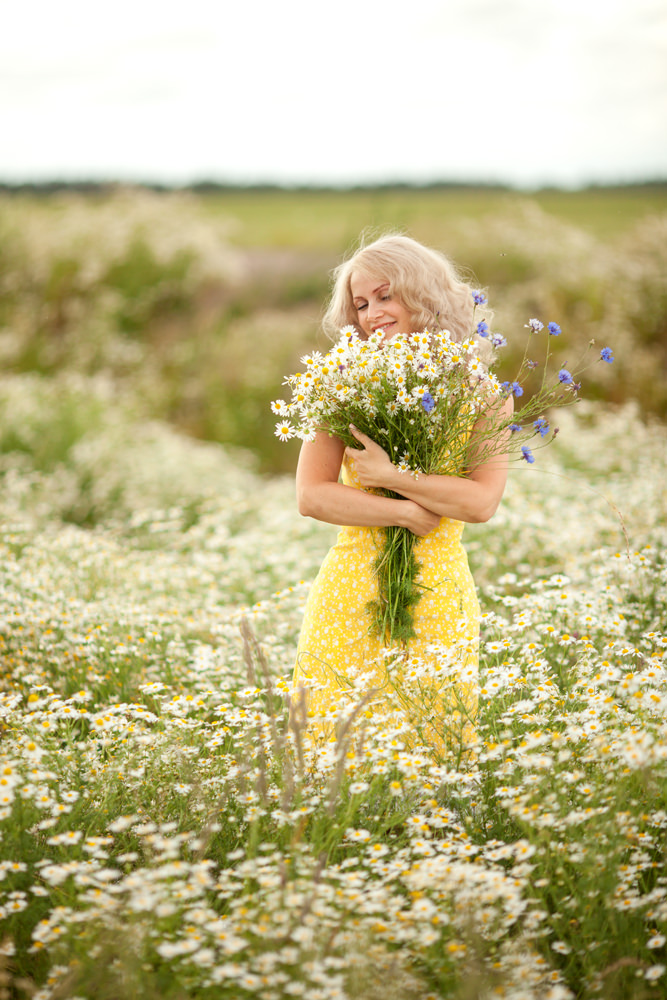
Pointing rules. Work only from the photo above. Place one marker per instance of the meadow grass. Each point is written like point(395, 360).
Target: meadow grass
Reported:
point(326, 220)
point(168, 830)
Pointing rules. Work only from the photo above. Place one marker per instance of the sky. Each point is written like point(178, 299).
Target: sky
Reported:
point(523, 92)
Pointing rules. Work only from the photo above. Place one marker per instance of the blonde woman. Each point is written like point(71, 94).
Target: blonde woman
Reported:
point(398, 286)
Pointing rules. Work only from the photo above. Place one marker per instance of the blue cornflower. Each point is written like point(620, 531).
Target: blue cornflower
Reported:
point(535, 325)
point(554, 329)
point(607, 354)
point(512, 387)
point(515, 427)
point(483, 328)
point(479, 298)
point(565, 377)
point(541, 426)
point(498, 340)
point(427, 401)
point(527, 454)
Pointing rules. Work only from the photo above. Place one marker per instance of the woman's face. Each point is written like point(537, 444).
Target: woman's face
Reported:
point(376, 309)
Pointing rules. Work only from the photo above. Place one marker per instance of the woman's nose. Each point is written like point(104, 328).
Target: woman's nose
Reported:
point(374, 310)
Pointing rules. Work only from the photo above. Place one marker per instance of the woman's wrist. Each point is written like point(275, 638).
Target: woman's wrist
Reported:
point(392, 479)
point(405, 513)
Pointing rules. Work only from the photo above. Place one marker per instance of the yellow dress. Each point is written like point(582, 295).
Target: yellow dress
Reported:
point(432, 682)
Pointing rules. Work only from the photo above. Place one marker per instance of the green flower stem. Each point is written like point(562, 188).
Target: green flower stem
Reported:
point(396, 570)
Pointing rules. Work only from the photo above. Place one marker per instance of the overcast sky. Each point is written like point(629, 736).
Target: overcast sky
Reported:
point(521, 91)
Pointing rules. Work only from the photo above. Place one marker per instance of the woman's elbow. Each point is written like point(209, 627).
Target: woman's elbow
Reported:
point(484, 499)
point(306, 502)
point(482, 513)
point(303, 505)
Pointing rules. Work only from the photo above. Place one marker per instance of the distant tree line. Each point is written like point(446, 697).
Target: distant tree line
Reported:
point(100, 187)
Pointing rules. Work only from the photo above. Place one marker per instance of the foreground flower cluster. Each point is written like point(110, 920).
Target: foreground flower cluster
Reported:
point(419, 396)
point(166, 833)
point(438, 382)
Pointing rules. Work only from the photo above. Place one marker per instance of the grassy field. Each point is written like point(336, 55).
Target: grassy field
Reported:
point(333, 220)
point(165, 832)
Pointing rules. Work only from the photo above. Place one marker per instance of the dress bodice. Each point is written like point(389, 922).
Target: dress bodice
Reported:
point(448, 533)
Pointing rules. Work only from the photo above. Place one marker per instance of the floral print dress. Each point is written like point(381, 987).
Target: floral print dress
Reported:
point(432, 682)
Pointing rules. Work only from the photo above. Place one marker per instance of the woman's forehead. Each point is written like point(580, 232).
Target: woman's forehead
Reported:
point(366, 282)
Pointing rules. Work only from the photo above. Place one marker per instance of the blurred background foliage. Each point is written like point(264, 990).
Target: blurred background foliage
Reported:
point(190, 307)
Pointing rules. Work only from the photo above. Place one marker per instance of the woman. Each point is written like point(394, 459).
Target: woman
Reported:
point(398, 286)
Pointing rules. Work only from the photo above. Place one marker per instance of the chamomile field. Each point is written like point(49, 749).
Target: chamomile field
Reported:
point(167, 827)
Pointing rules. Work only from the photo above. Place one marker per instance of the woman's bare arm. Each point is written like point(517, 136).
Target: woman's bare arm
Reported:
point(320, 495)
point(473, 498)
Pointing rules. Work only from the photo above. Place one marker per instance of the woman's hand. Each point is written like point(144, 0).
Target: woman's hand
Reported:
point(418, 519)
point(374, 468)
point(371, 462)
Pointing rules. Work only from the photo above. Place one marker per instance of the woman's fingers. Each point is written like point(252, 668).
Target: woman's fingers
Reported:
point(360, 436)
point(367, 443)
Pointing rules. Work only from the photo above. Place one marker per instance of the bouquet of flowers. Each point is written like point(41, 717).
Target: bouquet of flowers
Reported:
point(419, 396)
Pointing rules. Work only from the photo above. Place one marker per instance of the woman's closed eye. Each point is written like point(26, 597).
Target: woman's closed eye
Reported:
point(364, 305)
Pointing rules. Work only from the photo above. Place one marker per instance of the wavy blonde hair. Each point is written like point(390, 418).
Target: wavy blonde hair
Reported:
point(425, 281)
